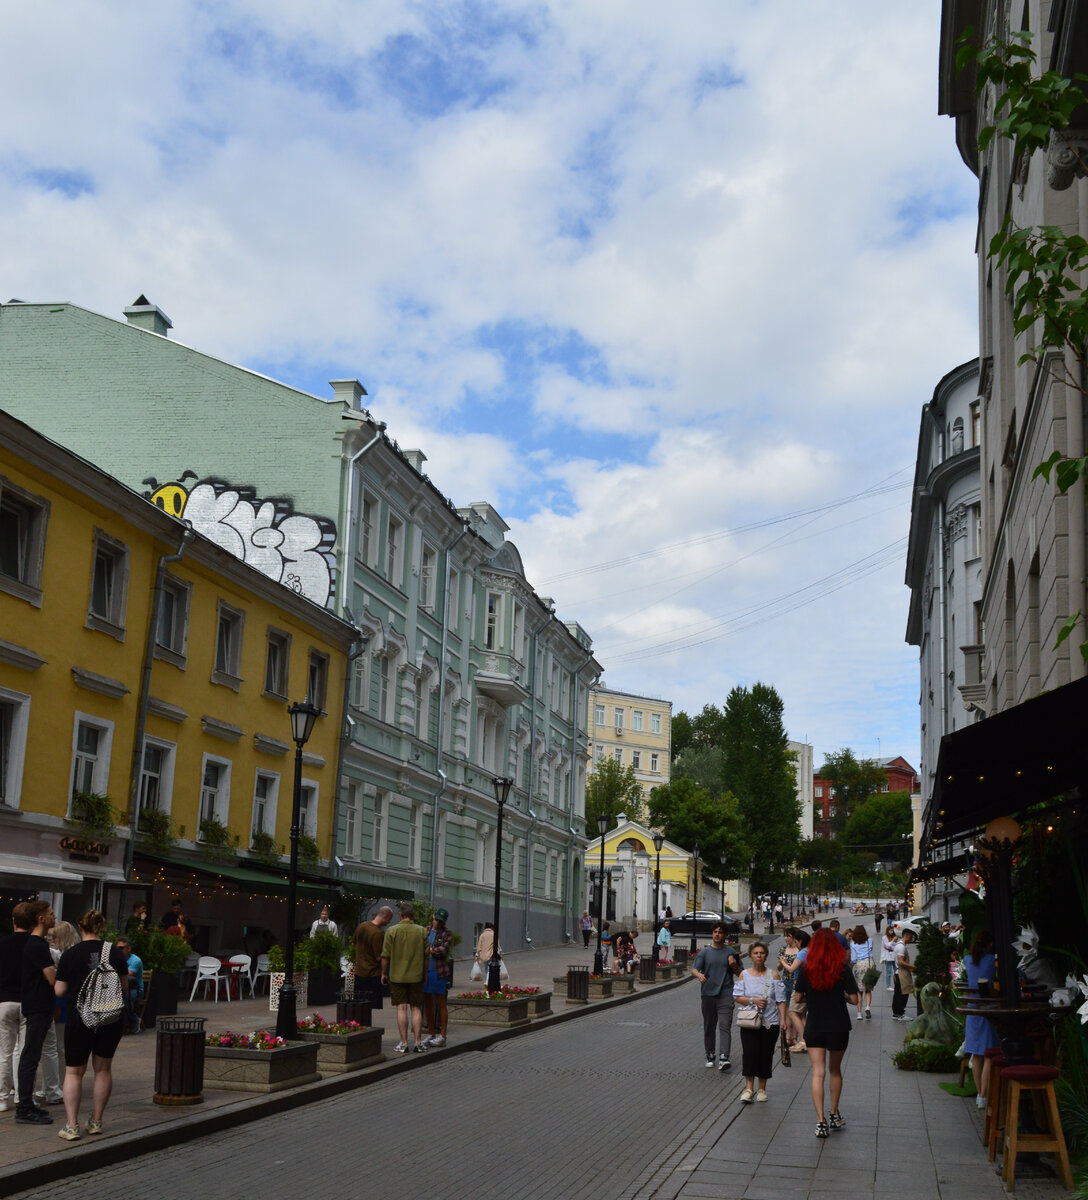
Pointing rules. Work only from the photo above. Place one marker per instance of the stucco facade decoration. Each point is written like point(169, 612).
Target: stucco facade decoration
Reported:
point(142, 662)
point(634, 730)
point(1033, 545)
point(461, 672)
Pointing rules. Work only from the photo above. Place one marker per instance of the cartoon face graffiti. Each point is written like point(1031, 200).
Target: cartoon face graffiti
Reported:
point(292, 548)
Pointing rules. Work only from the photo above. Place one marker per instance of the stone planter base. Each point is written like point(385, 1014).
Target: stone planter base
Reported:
point(600, 989)
point(664, 973)
point(540, 1005)
point(260, 1070)
point(275, 982)
point(338, 1053)
point(489, 1012)
point(623, 985)
point(559, 986)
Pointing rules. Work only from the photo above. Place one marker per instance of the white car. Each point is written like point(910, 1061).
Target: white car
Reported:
point(914, 924)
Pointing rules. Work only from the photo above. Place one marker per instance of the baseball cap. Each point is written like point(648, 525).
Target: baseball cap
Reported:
point(442, 914)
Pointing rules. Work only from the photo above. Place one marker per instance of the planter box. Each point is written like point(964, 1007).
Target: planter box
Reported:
point(337, 1053)
point(489, 1012)
point(322, 988)
point(559, 986)
point(275, 982)
point(600, 989)
point(162, 997)
point(540, 1005)
point(623, 985)
point(664, 973)
point(260, 1070)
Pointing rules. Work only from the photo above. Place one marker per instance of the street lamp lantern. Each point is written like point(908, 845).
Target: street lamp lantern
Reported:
point(502, 785)
point(598, 958)
point(302, 717)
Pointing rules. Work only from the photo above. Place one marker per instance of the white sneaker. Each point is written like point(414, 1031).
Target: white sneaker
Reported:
point(400, 1048)
point(437, 1041)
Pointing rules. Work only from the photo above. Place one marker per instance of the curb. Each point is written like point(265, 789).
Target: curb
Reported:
point(92, 1157)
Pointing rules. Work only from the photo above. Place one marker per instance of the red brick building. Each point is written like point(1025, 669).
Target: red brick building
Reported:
point(899, 776)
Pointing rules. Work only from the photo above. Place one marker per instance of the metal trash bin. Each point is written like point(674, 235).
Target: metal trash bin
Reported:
point(578, 984)
point(680, 955)
point(647, 969)
point(179, 1060)
point(348, 1008)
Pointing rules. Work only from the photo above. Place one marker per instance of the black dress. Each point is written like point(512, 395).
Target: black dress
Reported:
point(827, 1025)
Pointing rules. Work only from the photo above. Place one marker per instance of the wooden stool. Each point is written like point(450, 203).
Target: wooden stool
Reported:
point(1040, 1080)
point(993, 1117)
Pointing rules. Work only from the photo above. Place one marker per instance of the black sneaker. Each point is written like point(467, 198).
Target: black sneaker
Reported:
point(822, 1130)
point(32, 1116)
point(710, 1060)
point(836, 1121)
point(724, 1064)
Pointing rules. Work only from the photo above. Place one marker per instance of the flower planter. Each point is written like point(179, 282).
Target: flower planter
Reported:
point(559, 986)
point(489, 1012)
point(337, 1053)
point(237, 1070)
point(665, 972)
point(540, 1005)
point(600, 989)
point(322, 988)
point(275, 982)
point(623, 985)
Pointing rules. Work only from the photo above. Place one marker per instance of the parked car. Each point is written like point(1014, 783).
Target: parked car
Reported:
point(914, 924)
point(702, 923)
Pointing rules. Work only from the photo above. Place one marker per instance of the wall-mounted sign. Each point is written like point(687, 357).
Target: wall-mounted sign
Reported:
point(84, 850)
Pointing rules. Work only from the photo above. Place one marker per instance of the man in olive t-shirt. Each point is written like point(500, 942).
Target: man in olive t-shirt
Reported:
point(404, 964)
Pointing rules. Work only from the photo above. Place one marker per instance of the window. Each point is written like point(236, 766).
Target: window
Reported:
point(519, 631)
point(379, 827)
point(360, 682)
point(173, 627)
point(957, 436)
point(653, 762)
point(352, 813)
point(636, 759)
point(23, 519)
point(619, 718)
point(819, 790)
point(655, 722)
point(276, 661)
point(156, 776)
point(493, 632)
point(214, 790)
point(317, 681)
point(14, 711)
point(368, 512)
point(307, 810)
point(394, 551)
point(555, 685)
point(598, 714)
point(832, 810)
point(109, 585)
point(452, 616)
point(427, 566)
point(636, 720)
point(598, 753)
point(91, 741)
point(617, 754)
point(415, 837)
point(228, 646)
point(976, 425)
point(419, 693)
point(265, 793)
point(384, 689)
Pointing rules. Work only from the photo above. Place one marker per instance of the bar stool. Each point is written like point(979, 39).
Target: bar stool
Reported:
point(1037, 1079)
point(993, 1116)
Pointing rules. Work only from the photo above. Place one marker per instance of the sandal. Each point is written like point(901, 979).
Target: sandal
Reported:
point(799, 1048)
point(822, 1131)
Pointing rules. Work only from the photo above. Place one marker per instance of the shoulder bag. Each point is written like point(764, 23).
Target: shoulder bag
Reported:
point(752, 1017)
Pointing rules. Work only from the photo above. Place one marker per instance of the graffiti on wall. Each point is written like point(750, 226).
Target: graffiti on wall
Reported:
point(293, 548)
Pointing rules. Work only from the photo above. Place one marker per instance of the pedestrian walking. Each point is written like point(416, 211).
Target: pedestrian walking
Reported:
point(99, 1045)
point(586, 925)
point(436, 985)
point(861, 962)
point(827, 983)
point(789, 963)
point(887, 956)
point(716, 967)
point(878, 917)
point(37, 1001)
point(404, 956)
point(761, 1002)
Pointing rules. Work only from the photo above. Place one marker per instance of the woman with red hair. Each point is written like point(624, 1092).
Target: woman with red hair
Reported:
point(827, 983)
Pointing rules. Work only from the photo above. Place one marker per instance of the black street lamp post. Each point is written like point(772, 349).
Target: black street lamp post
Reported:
point(598, 958)
point(659, 841)
point(303, 717)
point(502, 785)
point(774, 900)
point(695, 905)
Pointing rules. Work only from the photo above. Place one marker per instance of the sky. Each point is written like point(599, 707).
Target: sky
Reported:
point(668, 285)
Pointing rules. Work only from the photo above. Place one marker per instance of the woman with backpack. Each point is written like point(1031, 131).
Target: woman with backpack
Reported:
point(81, 1043)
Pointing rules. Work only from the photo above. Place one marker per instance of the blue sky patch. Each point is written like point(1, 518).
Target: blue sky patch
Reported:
point(922, 209)
point(720, 77)
point(71, 184)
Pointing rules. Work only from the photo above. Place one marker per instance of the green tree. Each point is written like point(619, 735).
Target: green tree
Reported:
point(702, 765)
point(688, 814)
point(611, 790)
point(882, 825)
point(853, 780)
point(681, 734)
point(758, 770)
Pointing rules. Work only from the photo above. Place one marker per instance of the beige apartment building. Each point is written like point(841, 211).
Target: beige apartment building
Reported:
point(634, 730)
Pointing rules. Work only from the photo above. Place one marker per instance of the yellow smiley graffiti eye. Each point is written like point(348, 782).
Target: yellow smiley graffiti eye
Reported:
point(171, 499)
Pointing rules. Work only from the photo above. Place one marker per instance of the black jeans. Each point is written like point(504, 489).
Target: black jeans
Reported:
point(585, 938)
point(899, 999)
point(37, 1026)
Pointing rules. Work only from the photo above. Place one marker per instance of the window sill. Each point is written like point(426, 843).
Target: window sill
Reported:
point(104, 625)
point(174, 657)
point(224, 679)
point(24, 591)
point(274, 695)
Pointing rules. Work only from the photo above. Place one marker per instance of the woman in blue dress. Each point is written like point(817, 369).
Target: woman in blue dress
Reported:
point(980, 1034)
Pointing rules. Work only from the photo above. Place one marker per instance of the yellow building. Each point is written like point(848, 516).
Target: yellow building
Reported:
point(634, 730)
point(88, 674)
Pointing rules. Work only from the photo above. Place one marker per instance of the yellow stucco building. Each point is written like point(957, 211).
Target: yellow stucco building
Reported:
point(176, 707)
point(636, 731)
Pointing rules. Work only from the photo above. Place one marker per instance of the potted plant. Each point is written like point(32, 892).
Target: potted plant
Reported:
point(540, 1001)
point(94, 814)
point(323, 964)
point(342, 1045)
point(264, 849)
point(258, 1062)
point(600, 987)
point(153, 831)
point(163, 955)
point(276, 966)
point(309, 853)
point(220, 845)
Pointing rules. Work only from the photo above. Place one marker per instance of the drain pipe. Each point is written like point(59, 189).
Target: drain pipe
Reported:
point(187, 536)
point(942, 582)
point(349, 515)
point(570, 801)
point(436, 800)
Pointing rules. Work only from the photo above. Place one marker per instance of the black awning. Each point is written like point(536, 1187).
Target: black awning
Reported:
point(1003, 765)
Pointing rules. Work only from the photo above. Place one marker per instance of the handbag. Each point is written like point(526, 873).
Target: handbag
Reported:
point(784, 1047)
point(752, 1018)
point(870, 979)
point(101, 1000)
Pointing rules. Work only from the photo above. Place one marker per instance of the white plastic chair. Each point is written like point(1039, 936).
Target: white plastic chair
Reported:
point(260, 972)
point(242, 966)
point(188, 967)
point(210, 970)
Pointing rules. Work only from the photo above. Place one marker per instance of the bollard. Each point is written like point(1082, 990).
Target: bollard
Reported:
point(647, 969)
point(179, 1060)
point(578, 984)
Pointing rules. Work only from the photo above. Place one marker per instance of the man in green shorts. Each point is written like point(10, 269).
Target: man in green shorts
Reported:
point(404, 964)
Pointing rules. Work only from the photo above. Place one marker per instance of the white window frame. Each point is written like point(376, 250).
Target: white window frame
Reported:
point(493, 621)
point(112, 556)
point(271, 803)
point(387, 689)
point(636, 720)
point(518, 647)
point(176, 650)
point(598, 753)
point(281, 640)
point(27, 584)
point(230, 674)
point(353, 811)
point(654, 759)
point(618, 718)
point(100, 772)
point(317, 678)
point(367, 534)
point(453, 621)
point(14, 756)
point(617, 754)
point(360, 682)
point(598, 714)
point(636, 759)
point(415, 837)
point(221, 805)
point(166, 774)
point(394, 550)
point(379, 827)
point(428, 581)
point(655, 722)
point(308, 812)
